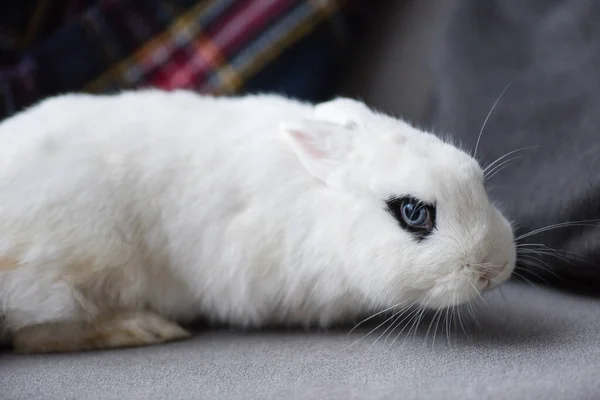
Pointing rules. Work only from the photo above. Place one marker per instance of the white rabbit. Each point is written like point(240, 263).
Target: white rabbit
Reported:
point(123, 216)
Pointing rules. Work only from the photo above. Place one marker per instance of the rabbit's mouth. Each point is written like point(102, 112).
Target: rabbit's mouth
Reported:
point(492, 279)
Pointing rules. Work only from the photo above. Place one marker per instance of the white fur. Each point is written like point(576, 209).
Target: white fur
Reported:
point(246, 210)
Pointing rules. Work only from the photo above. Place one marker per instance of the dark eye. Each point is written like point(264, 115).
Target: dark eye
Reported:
point(412, 214)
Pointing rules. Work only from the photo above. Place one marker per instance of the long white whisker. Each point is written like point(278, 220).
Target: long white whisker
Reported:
point(470, 309)
point(437, 324)
point(530, 257)
point(375, 315)
point(377, 327)
point(462, 326)
point(386, 329)
point(542, 253)
point(391, 325)
point(402, 330)
point(542, 247)
point(588, 223)
point(488, 117)
point(498, 168)
point(431, 324)
point(451, 310)
point(530, 272)
point(395, 325)
point(419, 319)
point(477, 291)
point(411, 323)
point(545, 267)
point(490, 165)
point(500, 164)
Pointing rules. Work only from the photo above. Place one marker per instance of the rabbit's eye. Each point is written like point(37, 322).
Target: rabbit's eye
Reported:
point(412, 214)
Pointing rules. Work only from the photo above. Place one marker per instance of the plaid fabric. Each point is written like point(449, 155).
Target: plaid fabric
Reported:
point(53, 46)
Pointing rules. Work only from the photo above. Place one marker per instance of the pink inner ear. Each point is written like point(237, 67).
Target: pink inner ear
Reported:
point(308, 144)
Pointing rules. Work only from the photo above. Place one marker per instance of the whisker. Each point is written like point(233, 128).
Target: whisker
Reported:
point(395, 325)
point(584, 223)
point(418, 320)
point(386, 329)
point(490, 165)
point(377, 327)
point(521, 276)
point(470, 309)
point(405, 326)
point(375, 315)
point(488, 117)
point(411, 323)
point(543, 247)
point(454, 320)
point(447, 325)
point(530, 272)
point(437, 324)
point(477, 291)
point(460, 322)
point(545, 267)
point(500, 167)
point(402, 310)
point(542, 253)
point(566, 253)
point(447, 320)
point(548, 268)
point(563, 255)
point(431, 325)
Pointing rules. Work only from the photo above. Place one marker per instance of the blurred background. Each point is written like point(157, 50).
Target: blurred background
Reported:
point(307, 49)
point(526, 69)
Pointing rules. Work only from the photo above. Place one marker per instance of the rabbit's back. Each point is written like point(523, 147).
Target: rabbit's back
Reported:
point(146, 197)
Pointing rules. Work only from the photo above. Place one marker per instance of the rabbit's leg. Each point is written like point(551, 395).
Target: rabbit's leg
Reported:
point(112, 331)
point(44, 312)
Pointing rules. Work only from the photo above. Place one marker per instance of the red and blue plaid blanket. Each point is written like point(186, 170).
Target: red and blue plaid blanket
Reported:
point(213, 46)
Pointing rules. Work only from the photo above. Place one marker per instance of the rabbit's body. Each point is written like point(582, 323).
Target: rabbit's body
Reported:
point(119, 214)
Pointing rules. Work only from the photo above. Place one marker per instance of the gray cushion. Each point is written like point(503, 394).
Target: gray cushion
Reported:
point(530, 344)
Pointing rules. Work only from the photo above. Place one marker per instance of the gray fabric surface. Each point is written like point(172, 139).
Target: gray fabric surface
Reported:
point(530, 344)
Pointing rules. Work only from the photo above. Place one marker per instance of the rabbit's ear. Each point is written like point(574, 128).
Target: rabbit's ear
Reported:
point(323, 148)
point(343, 111)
